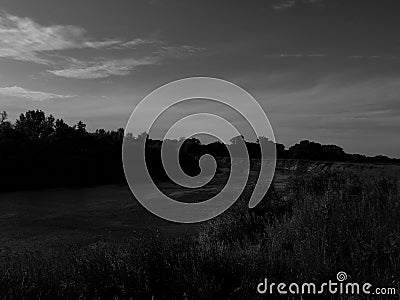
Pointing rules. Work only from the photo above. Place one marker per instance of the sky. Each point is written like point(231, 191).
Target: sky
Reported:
point(323, 70)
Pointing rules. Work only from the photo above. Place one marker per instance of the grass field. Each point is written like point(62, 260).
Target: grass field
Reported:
point(97, 243)
point(48, 219)
point(60, 217)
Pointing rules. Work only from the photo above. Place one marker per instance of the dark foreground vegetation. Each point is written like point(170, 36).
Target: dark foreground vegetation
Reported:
point(327, 222)
point(38, 151)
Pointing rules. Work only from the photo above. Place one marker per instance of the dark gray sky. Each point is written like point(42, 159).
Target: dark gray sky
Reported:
point(322, 70)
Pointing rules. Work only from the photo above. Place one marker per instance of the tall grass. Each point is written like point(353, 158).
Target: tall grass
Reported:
point(327, 222)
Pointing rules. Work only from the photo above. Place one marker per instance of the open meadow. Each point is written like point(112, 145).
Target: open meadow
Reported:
point(98, 243)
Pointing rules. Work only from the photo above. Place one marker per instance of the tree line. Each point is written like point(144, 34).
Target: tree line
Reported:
point(39, 151)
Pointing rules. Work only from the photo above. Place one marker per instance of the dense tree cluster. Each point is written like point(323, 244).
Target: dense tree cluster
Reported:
point(41, 151)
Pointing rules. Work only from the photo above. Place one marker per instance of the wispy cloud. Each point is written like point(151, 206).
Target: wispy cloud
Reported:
point(103, 69)
point(298, 55)
point(19, 92)
point(178, 51)
point(25, 40)
point(316, 55)
point(286, 4)
point(386, 57)
point(119, 67)
point(132, 44)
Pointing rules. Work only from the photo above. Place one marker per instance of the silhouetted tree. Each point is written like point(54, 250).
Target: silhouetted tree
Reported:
point(40, 151)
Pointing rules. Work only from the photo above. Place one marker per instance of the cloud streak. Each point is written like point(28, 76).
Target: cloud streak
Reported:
point(103, 69)
point(287, 4)
point(25, 40)
point(295, 55)
point(120, 67)
point(19, 92)
point(132, 44)
point(320, 55)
